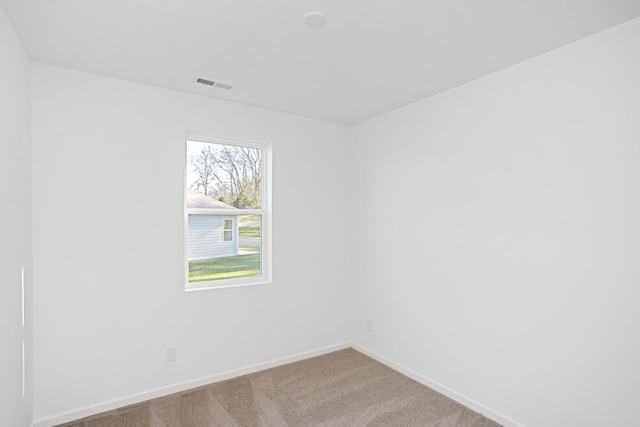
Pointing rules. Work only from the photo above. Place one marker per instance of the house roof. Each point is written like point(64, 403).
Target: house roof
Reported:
point(197, 200)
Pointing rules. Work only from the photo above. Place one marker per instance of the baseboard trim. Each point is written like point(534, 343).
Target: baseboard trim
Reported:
point(67, 416)
point(458, 397)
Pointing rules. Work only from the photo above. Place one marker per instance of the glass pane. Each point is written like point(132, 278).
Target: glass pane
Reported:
point(227, 173)
point(213, 257)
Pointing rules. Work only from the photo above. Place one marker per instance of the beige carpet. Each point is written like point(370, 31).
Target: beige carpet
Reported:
point(344, 388)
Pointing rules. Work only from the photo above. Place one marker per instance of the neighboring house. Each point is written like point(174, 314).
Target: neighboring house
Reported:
point(210, 236)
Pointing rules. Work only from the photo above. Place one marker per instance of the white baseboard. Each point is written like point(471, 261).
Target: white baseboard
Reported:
point(460, 398)
point(86, 411)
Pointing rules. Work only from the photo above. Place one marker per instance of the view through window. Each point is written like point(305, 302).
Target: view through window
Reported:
point(225, 203)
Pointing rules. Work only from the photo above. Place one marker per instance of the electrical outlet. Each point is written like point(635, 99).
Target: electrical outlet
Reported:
point(369, 326)
point(171, 354)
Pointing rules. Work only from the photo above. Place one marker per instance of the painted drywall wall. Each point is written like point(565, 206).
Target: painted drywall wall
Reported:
point(108, 233)
point(497, 236)
point(15, 230)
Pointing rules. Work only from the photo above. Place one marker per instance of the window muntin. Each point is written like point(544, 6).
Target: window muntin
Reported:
point(226, 211)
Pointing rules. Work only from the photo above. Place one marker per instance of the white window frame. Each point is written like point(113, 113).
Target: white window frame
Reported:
point(264, 212)
point(224, 230)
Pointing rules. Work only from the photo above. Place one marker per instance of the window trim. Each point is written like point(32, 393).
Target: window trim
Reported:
point(264, 212)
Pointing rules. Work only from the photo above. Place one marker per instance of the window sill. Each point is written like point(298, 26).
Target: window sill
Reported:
point(204, 286)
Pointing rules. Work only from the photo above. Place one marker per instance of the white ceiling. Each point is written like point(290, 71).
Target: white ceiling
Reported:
point(372, 56)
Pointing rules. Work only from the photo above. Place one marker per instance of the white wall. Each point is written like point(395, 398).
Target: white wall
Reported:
point(15, 229)
point(497, 236)
point(108, 168)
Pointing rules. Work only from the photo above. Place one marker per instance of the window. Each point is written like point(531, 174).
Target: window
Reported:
point(228, 230)
point(227, 216)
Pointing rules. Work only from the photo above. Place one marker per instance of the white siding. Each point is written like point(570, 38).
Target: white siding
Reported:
point(206, 237)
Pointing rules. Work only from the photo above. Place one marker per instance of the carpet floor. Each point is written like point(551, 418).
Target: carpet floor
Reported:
point(344, 388)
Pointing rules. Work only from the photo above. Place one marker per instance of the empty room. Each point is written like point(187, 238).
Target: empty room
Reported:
point(320, 213)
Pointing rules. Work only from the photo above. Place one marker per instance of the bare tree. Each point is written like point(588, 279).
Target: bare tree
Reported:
point(237, 175)
point(230, 173)
point(203, 165)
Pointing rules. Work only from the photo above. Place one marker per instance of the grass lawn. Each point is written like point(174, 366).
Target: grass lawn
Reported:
point(224, 268)
point(249, 226)
point(249, 231)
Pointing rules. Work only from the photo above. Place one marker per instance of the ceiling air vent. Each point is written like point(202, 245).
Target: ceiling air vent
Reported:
point(220, 85)
point(205, 82)
point(223, 86)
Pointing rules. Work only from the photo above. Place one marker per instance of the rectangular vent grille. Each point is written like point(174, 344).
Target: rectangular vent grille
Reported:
point(223, 86)
point(206, 82)
point(219, 85)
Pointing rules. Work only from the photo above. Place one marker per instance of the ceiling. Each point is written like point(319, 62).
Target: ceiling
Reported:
point(371, 57)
